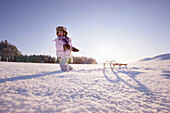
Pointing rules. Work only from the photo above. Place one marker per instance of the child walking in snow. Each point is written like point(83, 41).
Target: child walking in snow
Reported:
point(64, 48)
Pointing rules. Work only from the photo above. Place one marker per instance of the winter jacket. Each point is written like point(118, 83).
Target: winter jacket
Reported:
point(60, 41)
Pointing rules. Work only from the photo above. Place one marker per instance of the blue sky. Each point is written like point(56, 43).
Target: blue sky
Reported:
point(123, 30)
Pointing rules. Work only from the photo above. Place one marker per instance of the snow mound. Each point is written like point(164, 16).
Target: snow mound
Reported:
point(43, 88)
point(160, 57)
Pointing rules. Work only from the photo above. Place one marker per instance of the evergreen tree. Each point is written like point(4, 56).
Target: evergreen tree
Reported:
point(8, 52)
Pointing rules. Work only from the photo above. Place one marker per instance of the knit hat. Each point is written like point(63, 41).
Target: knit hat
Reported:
point(61, 28)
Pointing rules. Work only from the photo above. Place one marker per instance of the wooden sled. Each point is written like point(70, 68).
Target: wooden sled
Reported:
point(113, 63)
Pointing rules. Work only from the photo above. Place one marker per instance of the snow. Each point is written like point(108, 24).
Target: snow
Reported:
point(30, 87)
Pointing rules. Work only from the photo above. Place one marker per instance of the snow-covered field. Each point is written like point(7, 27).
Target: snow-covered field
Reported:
point(43, 88)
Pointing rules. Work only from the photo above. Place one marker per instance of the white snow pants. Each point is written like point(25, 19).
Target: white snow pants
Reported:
point(64, 64)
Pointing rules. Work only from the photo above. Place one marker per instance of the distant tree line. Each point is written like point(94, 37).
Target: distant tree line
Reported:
point(35, 59)
point(84, 60)
point(81, 60)
point(10, 53)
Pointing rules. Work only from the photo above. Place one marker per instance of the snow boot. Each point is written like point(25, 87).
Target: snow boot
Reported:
point(70, 68)
point(64, 68)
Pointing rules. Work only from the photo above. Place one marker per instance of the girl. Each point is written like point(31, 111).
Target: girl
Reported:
point(64, 48)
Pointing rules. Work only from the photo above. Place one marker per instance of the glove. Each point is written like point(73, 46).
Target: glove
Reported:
point(75, 49)
point(66, 47)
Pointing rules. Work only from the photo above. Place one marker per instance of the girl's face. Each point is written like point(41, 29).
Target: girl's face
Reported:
point(60, 33)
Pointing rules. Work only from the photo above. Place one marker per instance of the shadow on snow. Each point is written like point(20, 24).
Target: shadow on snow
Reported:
point(30, 76)
point(132, 74)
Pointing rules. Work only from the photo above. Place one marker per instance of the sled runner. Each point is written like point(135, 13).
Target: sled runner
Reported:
point(105, 63)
